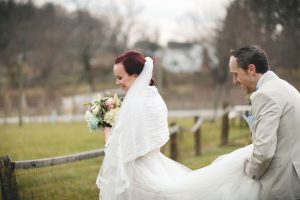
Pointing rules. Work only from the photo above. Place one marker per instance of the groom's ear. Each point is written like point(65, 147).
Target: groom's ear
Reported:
point(251, 69)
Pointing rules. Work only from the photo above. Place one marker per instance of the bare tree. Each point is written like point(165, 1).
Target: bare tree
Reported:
point(88, 36)
point(16, 39)
point(233, 32)
point(279, 25)
point(274, 26)
point(124, 25)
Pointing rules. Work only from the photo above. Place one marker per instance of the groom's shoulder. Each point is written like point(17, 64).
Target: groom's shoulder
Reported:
point(267, 93)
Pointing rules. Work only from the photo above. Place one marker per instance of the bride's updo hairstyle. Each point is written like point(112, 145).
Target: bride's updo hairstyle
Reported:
point(133, 62)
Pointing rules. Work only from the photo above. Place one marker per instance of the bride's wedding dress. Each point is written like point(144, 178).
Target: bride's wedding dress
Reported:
point(158, 177)
point(135, 169)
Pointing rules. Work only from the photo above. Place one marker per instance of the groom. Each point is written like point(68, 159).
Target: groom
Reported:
point(275, 105)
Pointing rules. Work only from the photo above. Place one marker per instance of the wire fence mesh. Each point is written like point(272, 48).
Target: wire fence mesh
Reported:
point(74, 180)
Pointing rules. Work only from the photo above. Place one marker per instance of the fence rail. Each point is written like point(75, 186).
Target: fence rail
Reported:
point(45, 162)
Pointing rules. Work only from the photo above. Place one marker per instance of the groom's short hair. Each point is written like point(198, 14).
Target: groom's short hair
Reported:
point(252, 54)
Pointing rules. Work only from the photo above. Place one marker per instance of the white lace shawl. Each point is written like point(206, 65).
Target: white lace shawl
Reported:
point(141, 126)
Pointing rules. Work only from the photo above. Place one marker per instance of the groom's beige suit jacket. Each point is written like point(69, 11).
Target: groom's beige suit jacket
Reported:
point(276, 137)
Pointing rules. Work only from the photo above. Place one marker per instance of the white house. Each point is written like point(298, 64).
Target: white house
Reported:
point(188, 57)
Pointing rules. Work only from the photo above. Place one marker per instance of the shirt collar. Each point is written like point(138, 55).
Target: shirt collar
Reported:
point(261, 79)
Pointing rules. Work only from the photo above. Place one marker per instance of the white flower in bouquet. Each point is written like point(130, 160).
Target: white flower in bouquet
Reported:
point(110, 116)
point(117, 101)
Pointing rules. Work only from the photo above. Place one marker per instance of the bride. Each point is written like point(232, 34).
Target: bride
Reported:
point(135, 169)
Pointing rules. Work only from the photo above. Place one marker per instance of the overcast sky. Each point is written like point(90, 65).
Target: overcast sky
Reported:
point(169, 17)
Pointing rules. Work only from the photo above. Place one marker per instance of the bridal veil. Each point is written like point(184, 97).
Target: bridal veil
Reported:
point(140, 127)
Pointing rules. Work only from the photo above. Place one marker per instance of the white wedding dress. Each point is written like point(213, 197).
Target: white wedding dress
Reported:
point(135, 169)
point(158, 177)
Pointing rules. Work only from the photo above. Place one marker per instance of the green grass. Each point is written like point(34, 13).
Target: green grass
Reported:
point(33, 141)
point(77, 180)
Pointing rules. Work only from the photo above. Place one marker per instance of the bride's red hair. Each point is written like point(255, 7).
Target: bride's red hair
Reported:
point(133, 62)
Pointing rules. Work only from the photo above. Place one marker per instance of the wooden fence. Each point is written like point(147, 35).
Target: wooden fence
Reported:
point(8, 182)
point(9, 186)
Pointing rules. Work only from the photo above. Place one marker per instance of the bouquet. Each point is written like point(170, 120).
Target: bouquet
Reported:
point(102, 112)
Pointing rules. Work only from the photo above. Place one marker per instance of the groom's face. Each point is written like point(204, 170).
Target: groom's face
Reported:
point(244, 78)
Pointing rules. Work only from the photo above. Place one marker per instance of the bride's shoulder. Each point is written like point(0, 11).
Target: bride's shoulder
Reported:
point(152, 88)
point(151, 91)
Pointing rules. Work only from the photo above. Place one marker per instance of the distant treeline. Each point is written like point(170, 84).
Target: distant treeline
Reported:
point(48, 47)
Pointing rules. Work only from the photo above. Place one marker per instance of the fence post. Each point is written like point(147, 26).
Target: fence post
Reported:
point(9, 186)
point(225, 126)
point(197, 138)
point(173, 144)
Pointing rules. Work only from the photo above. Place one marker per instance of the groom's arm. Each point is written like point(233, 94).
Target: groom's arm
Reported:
point(267, 116)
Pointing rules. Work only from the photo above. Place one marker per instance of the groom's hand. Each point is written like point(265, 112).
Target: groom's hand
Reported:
point(245, 165)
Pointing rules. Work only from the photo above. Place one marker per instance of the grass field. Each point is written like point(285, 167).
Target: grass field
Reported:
point(77, 180)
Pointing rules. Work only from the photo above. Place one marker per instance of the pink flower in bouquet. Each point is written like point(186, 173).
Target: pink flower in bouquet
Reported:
point(110, 103)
